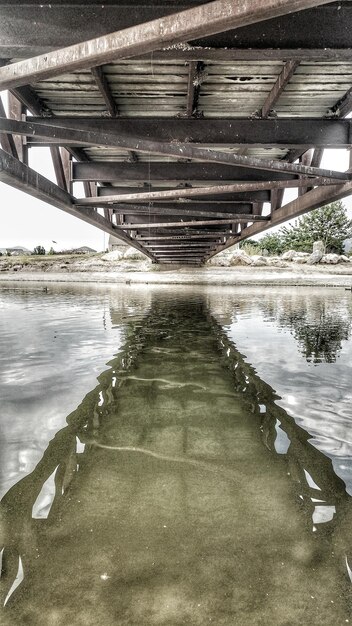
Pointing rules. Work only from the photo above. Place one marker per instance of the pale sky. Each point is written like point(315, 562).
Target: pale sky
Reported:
point(26, 221)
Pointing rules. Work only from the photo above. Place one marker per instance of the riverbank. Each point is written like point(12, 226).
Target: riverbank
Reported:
point(139, 272)
point(136, 269)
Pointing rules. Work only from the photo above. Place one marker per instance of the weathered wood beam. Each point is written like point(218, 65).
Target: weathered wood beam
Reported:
point(280, 84)
point(189, 247)
point(16, 112)
point(132, 217)
point(190, 236)
point(31, 101)
point(189, 253)
point(316, 161)
point(195, 247)
point(87, 189)
point(257, 208)
point(317, 157)
point(202, 53)
point(180, 263)
point(6, 139)
point(305, 159)
point(295, 154)
point(176, 232)
point(193, 86)
point(183, 224)
point(79, 154)
point(292, 156)
point(274, 199)
point(295, 133)
point(162, 254)
point(173, 172)
point(66, 158)
point(180, 257)
point(181, 210)
point(107, 214)
point(24, 178)
point(204, 207)
point(183, 254)
point(90, 188)
point(65, 22)
point(242, 150)
point(186, 244)
point(173, 194)
point(343, 106)
point(58, 167)
point(279, 199)
point(201, 21)
point(104, 88)
point(28, 99)
point(182, 150)
point(311, 200)
point(212, 201)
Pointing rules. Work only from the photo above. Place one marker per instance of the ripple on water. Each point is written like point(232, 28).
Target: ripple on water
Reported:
point(181, 489)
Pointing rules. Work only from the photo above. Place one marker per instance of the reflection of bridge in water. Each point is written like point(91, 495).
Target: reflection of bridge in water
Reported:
point(185, 129)
point(179, 491)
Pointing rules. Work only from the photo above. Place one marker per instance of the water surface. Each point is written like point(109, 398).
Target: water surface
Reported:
point(175, 456)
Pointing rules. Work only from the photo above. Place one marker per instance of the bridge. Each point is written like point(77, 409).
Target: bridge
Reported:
point(186, 121)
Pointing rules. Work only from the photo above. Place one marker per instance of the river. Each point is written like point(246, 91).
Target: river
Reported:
point(175, 455)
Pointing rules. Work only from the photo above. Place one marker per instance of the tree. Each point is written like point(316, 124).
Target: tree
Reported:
point(328, 224)
point(319, 330)
point(250, 246)
point(272, 242)
point(39, 250)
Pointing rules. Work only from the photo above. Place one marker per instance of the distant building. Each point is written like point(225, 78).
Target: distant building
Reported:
point(18, 251)
point(84, 250)
point(81, 250)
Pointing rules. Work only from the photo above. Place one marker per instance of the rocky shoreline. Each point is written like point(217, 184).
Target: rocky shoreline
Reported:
point(288, 259)
point(226, 269)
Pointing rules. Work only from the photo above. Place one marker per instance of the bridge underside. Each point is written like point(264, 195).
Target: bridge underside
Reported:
point(185, 121)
